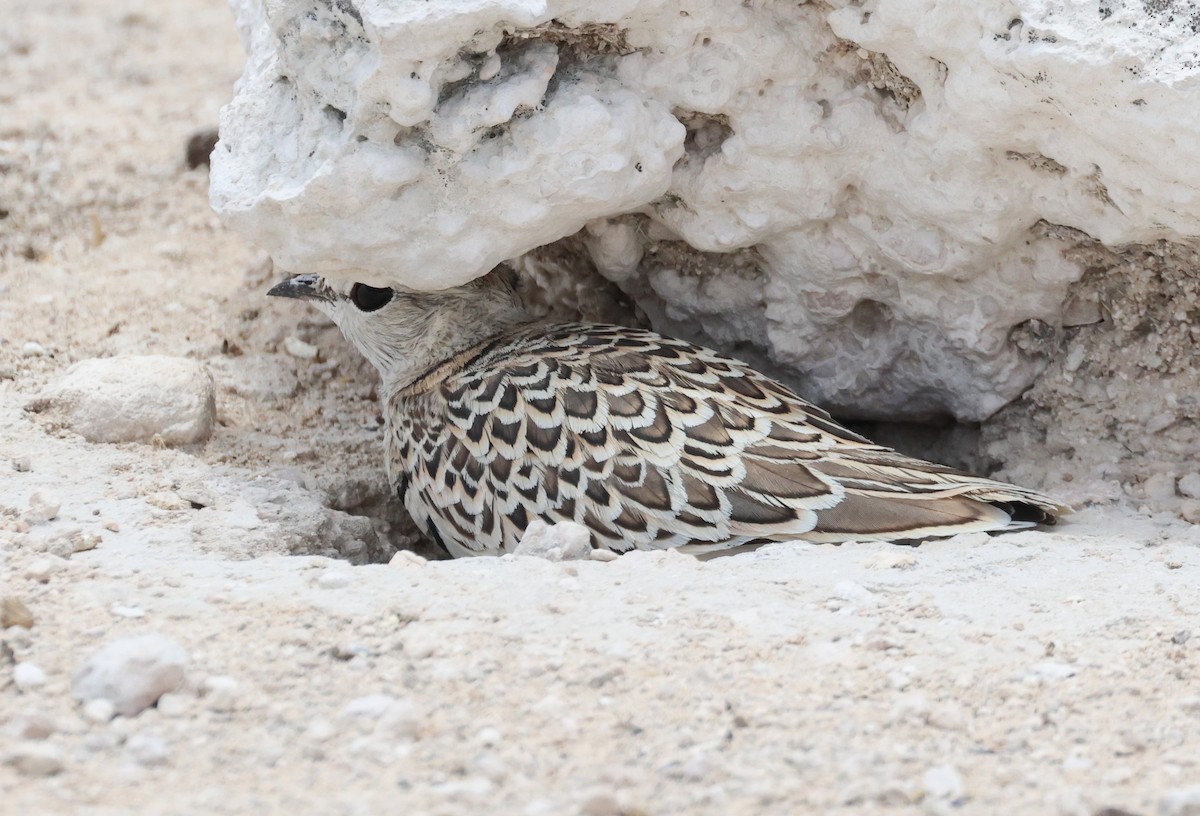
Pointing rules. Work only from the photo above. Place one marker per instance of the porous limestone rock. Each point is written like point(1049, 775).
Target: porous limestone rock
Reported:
point(871, 198)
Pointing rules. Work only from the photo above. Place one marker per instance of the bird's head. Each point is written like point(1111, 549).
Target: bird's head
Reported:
point(403, 331)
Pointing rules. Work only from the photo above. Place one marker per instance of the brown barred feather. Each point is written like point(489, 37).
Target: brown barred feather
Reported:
point(652, 443)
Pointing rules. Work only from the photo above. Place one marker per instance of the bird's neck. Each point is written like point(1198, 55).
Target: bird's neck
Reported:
point(438, 326)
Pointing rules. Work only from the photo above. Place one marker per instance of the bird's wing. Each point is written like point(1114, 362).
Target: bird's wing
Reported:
point(653, 442)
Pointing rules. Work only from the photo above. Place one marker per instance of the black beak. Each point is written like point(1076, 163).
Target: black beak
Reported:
point(305, 287)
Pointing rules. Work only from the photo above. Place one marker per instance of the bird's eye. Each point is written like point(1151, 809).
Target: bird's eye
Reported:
point(369, 298)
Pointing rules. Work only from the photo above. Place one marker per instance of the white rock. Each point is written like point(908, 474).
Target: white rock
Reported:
point(99, 711)
point(132, 672)
point(564, 541)
point(299, 349)
point(1189, 486)
point(173, 704)
point(943, 783)
point(28, 676)
point(136, 399)
point(856, 593)
point(221, 692)
point(334, 578)
point(1180, 802)
point(407, 558)
point(41, 569)
point(42, 507)
point(900, 220)
point(35, 759)
point(32, 349)
point(383, 715)
point(148, 750)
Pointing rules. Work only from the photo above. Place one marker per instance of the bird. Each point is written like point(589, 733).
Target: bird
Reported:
point(494, 419)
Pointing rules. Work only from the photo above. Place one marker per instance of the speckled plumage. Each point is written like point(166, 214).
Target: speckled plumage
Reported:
point(647, 441)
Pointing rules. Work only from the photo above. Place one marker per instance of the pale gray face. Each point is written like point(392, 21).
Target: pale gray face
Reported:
point(369, 316)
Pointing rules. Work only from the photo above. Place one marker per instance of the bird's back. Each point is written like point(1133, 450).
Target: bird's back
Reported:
point(652, 442)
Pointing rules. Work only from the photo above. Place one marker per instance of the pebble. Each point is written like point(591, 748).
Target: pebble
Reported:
point(564, 541)
point(42, 507)
point(221, 692)
point(299, 349)
point(33, 726)
point(384, 715)
point(132, 672)
point(14, 612)
point(173, 704)
point(41, 569)
point(1054, 671)
point(128, 612)
point(850, 591)
point(147, 750)
point(99, 711)
point(169, 249)
point(334, 578)
point(1180, 802)
point(135, 399)
point(22, 464)
point(32, 349)
point(943, 783)
point(1189, 511)
point(28, 676)
point(35, 759)
point(1159, 488)
point(407, 558)
point(604, 555)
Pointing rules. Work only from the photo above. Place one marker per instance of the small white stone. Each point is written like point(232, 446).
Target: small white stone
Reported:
point(35, 759)
point(169, 249)
point(149, 398)
point(564, 541)
point(128, 612)
point(42, 507)
point(1189, 486)
point(604, 554)
point(1189, 511)
point(99, 711)
point(1159, 488)
point(28, 676)
point(320, 730)
point(173, 704)
point(406, 558)
point(132, 672)
point(384, 715)
point(1052, 670)
point(22, 464)
point(221, 692)
point(943, 783)
point(1180, 802)
point(850, 591)
point(299, 349)
point(334, 578)
point(41, 569)
point(147, 750)
point(32, 349)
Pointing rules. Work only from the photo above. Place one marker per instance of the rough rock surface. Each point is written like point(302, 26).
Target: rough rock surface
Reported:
point(137, 398)
point(852, 193)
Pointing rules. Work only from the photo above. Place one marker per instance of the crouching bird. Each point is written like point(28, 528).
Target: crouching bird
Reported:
point(494, 420)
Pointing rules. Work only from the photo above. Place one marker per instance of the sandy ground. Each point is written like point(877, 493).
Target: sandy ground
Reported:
point(1037, 672)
